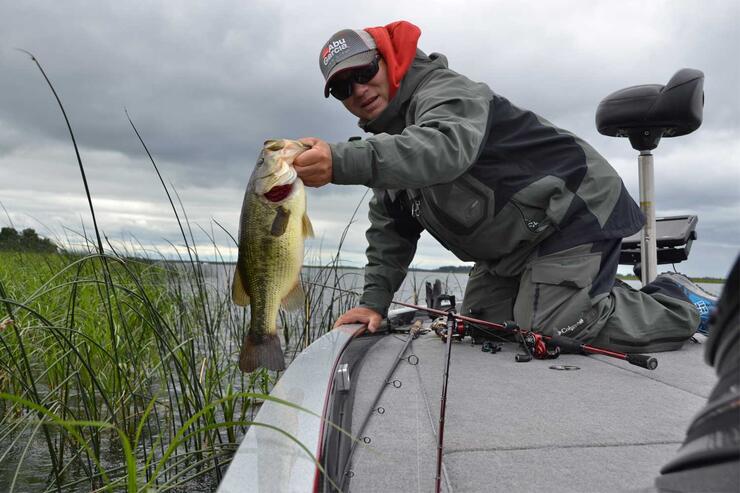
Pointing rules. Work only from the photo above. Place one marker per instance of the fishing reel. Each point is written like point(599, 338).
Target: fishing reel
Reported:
point(535, 347)
point(440, 323)
point(440, 328)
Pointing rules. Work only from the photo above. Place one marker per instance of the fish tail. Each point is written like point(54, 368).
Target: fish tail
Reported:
point(263, 352)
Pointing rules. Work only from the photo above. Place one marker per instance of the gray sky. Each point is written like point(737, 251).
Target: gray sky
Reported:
point(207, 82)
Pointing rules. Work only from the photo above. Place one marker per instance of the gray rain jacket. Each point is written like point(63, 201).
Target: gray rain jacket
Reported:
point(488, 180)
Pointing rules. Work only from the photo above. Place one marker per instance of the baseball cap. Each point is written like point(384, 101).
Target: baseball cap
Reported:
point(346, 49)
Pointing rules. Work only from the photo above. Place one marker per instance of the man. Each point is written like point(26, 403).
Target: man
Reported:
point(540, 212)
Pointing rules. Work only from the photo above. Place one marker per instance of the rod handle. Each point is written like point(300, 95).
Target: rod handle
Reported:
point(567, 345)
point(642, 360)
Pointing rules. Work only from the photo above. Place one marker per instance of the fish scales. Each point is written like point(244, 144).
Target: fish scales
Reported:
point(275, 269)
point(272, 228)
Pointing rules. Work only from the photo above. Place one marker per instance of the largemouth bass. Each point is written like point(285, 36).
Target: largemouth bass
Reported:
point(272, 227)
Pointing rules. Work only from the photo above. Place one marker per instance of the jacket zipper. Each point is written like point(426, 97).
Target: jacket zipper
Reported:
point(416, 214)
point(415, 208)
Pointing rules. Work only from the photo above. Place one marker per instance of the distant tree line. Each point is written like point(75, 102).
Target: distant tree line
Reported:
point(458, 269)
point(27, 240)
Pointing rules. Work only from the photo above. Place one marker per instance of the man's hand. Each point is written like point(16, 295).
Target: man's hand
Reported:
point(314, 166)
point(363, 315)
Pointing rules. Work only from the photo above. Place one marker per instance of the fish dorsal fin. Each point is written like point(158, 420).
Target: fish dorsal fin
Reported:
point(239, 293)
point(295, 299)
point(307, 227)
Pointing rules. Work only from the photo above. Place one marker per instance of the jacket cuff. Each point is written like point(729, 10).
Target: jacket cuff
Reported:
point(351, 163)
point(376, 301)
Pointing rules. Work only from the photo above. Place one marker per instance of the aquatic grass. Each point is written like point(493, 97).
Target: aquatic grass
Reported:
point(132, 475)
point(75, 366)
point(122, 363)
point(76, 370)
point(106, 274)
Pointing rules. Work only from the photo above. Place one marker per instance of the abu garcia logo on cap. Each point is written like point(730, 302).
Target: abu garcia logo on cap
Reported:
point(333, 48)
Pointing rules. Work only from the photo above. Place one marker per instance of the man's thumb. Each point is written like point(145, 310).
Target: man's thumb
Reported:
point(309, 140)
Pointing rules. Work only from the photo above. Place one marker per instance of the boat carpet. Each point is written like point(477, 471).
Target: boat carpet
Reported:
point(608, 426)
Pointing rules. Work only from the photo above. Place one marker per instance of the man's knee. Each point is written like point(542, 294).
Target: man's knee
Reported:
point(554, 295)
point(489, 297)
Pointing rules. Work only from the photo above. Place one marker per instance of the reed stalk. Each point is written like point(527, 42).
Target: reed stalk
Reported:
point(121, 363)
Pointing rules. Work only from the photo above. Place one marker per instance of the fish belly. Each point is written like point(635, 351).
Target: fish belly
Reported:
point(272, 263)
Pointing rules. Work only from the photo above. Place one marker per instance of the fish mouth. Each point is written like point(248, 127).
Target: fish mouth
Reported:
point(284, 177)
point(278, 192)
point(281, 176)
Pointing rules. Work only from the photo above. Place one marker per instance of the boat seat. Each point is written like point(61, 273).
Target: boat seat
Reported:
point(674, 237)
point(648, 112)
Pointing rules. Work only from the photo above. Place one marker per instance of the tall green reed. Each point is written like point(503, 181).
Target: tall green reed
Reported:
point(126, 364)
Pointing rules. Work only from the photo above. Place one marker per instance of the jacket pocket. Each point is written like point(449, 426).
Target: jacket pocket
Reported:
point(577, 272)
point(455, 213)
point(459, 207)
point(462, 216)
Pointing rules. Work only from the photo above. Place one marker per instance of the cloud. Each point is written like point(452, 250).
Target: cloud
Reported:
point(206, 84)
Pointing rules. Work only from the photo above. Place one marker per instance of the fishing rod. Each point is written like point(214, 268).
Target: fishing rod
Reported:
point(451, 324)
point(566, 343)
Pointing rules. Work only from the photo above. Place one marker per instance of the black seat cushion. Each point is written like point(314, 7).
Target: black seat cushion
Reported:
point(654, 110)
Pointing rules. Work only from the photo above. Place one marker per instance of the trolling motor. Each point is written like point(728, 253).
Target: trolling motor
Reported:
point(645, 114)
point(436, 299)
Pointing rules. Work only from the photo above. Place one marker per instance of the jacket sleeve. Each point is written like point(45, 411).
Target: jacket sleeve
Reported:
point(450, 115)
point(392, 238)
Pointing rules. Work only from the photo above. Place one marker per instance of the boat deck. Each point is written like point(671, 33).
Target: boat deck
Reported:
point(608, 426)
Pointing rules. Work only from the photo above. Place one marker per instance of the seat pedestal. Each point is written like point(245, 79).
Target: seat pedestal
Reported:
point(648, 237)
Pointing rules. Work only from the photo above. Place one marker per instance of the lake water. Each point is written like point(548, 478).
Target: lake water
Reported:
point(456, 283)
point(412, 290)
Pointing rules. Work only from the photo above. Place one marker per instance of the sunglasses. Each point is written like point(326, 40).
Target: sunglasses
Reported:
point(341, 86)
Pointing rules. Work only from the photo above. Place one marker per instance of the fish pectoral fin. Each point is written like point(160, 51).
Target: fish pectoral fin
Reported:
point(307, 227)
point(295, 299)
point(239, 293)
point(280, 223)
